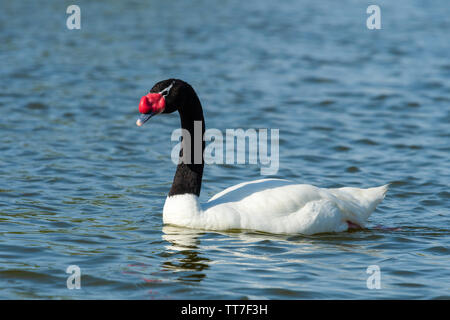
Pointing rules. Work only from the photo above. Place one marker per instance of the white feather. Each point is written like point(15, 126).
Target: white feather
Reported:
point(275, 206)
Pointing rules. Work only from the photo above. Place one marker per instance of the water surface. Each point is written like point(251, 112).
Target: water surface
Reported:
point(80, 184)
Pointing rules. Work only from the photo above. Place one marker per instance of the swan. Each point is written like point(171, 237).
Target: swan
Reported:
point(267, 205)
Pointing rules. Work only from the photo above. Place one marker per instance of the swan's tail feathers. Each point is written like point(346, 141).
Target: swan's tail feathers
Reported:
point(358, 204)
point(376, 195)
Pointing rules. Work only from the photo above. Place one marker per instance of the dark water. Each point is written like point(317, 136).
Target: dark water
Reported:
point(80, 184)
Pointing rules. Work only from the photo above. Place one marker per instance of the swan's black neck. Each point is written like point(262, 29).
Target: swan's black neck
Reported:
point(188, 177)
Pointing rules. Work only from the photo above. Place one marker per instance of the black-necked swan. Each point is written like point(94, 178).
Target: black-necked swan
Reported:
point(268, 205)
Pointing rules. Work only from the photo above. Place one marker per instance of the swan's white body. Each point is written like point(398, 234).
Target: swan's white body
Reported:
point(275, 206)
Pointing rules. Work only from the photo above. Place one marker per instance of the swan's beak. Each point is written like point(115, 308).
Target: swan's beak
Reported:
point(144, 118)
point(150, 105)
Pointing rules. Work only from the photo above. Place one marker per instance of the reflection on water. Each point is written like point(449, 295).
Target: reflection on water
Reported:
point(181, 239)
point(189, 264)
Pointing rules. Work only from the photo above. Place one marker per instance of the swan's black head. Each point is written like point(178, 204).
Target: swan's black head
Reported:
point(166, 96)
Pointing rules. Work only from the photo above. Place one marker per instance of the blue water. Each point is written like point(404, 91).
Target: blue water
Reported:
point(81, 185)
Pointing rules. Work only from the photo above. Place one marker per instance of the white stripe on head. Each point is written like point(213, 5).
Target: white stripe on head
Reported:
point(166, 91)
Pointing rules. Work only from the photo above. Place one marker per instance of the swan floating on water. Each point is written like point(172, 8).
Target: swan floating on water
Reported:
point(268, 205)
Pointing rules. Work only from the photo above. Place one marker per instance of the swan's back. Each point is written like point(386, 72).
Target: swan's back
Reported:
point(264, 198)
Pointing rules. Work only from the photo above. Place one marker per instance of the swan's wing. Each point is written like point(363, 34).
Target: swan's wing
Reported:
point(286, 205)
point(264, 198)
point(235, 192)
point(277, 206)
